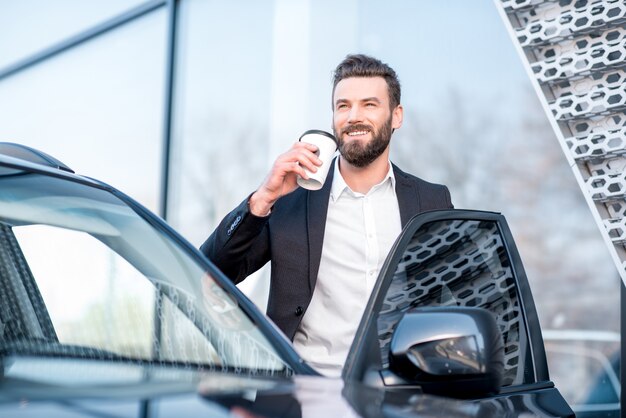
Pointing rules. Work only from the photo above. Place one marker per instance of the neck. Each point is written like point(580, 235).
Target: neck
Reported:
point(362, 179)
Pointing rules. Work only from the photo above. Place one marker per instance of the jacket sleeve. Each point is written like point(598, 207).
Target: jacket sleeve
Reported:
point(239, 246)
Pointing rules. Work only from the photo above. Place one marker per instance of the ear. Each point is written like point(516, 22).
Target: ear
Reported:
point(396, 117)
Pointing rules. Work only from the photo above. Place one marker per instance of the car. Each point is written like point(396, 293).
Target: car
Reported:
point(106, 311)
point(585, 364)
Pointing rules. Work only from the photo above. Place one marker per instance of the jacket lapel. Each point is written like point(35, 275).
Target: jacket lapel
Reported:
point(408, 199)
point(317, 210)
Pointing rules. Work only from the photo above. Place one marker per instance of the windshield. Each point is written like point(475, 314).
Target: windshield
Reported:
point(83, 275)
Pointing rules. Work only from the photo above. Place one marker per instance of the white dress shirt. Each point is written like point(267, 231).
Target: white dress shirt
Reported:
point(360, 230)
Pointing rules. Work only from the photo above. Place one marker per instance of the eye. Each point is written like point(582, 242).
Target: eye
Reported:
point(370, 104)
point(342, 106)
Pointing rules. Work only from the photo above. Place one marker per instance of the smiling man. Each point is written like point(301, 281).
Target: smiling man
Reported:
point(326, 247)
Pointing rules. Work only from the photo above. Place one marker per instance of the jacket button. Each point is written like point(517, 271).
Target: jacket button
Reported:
point(299, 311)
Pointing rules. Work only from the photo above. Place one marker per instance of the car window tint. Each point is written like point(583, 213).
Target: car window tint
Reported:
point(586, 372)
point(458, 263)
point(93, 296)
point(83, 275)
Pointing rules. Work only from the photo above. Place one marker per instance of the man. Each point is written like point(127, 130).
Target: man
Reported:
point(326, 247)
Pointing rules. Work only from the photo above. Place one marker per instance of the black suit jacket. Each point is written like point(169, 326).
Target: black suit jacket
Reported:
point(291, 238)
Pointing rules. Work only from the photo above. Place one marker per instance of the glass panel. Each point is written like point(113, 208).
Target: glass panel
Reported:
point(224, 110)
point(79, 271)
point(222, 125)
point(94, 297)
point(584, 365)
point(28, 26)
point(458, 263)
point(98, 107)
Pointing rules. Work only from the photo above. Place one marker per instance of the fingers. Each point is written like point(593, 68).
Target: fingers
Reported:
point(283, 175)
point(311, 147)
point(304, 155)
point(284, 168)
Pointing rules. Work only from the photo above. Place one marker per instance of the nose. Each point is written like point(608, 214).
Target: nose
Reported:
point(355, 114)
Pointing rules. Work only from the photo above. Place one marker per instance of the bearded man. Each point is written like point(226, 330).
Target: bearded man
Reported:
point(326, 247)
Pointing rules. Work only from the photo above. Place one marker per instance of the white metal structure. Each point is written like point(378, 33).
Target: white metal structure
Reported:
point(574, 52)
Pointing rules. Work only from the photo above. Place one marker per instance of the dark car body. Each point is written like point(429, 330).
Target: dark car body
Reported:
point(105, 311)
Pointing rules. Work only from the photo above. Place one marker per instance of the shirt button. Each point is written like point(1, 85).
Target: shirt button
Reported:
point(299, 311)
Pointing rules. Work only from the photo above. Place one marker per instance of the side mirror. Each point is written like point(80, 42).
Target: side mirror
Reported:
point(451, 351)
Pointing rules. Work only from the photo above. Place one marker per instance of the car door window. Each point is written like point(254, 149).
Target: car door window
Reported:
point(95, 298)
point(453, 258)
point(92, 295)
point(83, 275)
point(457, 263)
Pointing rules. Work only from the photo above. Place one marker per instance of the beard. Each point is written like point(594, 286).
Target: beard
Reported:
point(361, 155)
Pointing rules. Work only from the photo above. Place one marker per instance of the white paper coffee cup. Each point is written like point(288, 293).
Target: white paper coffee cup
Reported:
point(326, 145)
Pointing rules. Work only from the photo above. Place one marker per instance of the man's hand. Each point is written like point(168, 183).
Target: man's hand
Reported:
point(282, 178)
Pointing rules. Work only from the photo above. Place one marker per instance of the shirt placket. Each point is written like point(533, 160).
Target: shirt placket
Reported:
point(371, 238)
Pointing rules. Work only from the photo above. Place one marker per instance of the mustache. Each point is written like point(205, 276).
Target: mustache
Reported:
point(357, 127)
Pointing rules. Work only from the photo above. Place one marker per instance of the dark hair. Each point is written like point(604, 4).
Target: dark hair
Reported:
point(360, 65)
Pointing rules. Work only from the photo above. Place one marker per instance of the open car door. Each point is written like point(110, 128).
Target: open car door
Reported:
point(451, 278)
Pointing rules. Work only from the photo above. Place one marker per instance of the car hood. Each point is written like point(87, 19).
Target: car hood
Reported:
point(61, 387)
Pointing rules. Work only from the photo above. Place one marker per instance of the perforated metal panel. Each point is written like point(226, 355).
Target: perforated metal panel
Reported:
point(458, 263)
point(575, 53)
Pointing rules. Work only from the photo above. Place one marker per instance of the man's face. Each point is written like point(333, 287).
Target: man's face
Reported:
point(362, 119)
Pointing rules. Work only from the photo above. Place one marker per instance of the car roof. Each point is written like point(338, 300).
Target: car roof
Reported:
point(32, 155)
point(22, 157)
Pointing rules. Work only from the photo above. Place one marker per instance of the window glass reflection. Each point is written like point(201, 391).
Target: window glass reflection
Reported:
point(28, 26)
point(459, 263)
point(98, 107)
point(84, 275)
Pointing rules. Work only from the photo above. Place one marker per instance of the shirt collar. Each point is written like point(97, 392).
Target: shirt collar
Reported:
point(339, 184)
